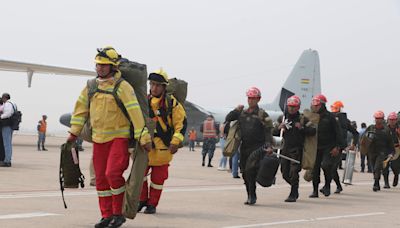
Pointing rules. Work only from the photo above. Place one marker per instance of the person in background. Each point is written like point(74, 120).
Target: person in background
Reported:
point(394, 164)
point(42, 128)
point(6, 129)
point(2, 153)
point(223, 135)
point(235, 164)
point(381, 147)
point(192, 138)
point(210, 131)
point(78, 143)
point(363, 157)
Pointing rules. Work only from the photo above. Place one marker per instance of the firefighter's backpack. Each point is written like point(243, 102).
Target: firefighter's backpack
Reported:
point(178, 88)
point(136, 75)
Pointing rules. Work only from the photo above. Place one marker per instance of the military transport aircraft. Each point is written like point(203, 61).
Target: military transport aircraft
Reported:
point(304, 81)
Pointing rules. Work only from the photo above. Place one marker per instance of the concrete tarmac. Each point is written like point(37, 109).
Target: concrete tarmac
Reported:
point(194, 196)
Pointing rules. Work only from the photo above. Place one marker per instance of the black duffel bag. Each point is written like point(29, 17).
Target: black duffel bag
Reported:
point(267, 171)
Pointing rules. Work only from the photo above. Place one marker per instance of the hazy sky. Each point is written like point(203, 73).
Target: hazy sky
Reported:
point(220, 47)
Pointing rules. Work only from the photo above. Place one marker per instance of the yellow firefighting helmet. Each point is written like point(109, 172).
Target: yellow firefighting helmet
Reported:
point(159, 76)
point(107, 55)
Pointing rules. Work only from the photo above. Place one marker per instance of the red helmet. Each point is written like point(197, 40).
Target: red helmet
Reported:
point(392, 116)
point(293, 101)
point(253, 92)
point(379, 115)
point(318, 99)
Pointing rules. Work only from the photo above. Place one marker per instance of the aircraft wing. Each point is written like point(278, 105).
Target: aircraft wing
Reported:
point(195, 116)
point(30, 68)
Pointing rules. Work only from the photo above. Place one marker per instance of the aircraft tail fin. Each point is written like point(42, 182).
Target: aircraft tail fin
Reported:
point(304, 81)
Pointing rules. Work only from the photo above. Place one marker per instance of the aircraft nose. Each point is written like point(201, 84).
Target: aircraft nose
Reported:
point(65, 119)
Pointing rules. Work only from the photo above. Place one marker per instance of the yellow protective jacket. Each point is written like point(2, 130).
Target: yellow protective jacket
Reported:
point(160, 154)
point(107, 119)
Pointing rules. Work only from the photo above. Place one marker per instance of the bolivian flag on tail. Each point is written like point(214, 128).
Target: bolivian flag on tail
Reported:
point(305, 81)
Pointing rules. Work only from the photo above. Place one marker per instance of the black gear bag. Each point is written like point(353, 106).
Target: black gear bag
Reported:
point(70, 172)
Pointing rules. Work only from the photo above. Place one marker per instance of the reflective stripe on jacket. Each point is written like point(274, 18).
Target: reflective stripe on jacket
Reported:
point(160, 155)
point(107, 120)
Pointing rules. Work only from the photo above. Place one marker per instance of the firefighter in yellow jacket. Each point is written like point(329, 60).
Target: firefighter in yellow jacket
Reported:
point(170, 118)
point(111, 131)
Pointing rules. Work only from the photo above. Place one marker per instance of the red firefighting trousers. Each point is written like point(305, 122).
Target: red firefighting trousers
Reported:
point(110, 160)
point(158, 175)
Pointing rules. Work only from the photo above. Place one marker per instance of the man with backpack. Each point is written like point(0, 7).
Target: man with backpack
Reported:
point(295, 128)
point(169, 117)
point(345, 124)
point(394, 164)
point(7, 128)
point(112, 118)
point(329, 141)
point(256, 132)
point(380, 146)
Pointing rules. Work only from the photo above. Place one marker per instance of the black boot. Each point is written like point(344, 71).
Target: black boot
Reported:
point(339, 188)
point(338, 185)
point(296, 191)
point(117, 221)
point(294, 194)
point(395, 180)
point(44, 149)
point(314, 194)
point(150, 209)
point(103, 222)
point(322, 190)
point(248, 194)
point(327, 190)
point(386, 179)
point(142, 204)
point(376, 187)
point(252, 198)
point(252, 194)
point(38, 147)
point(203, 163)
point(209, 163)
